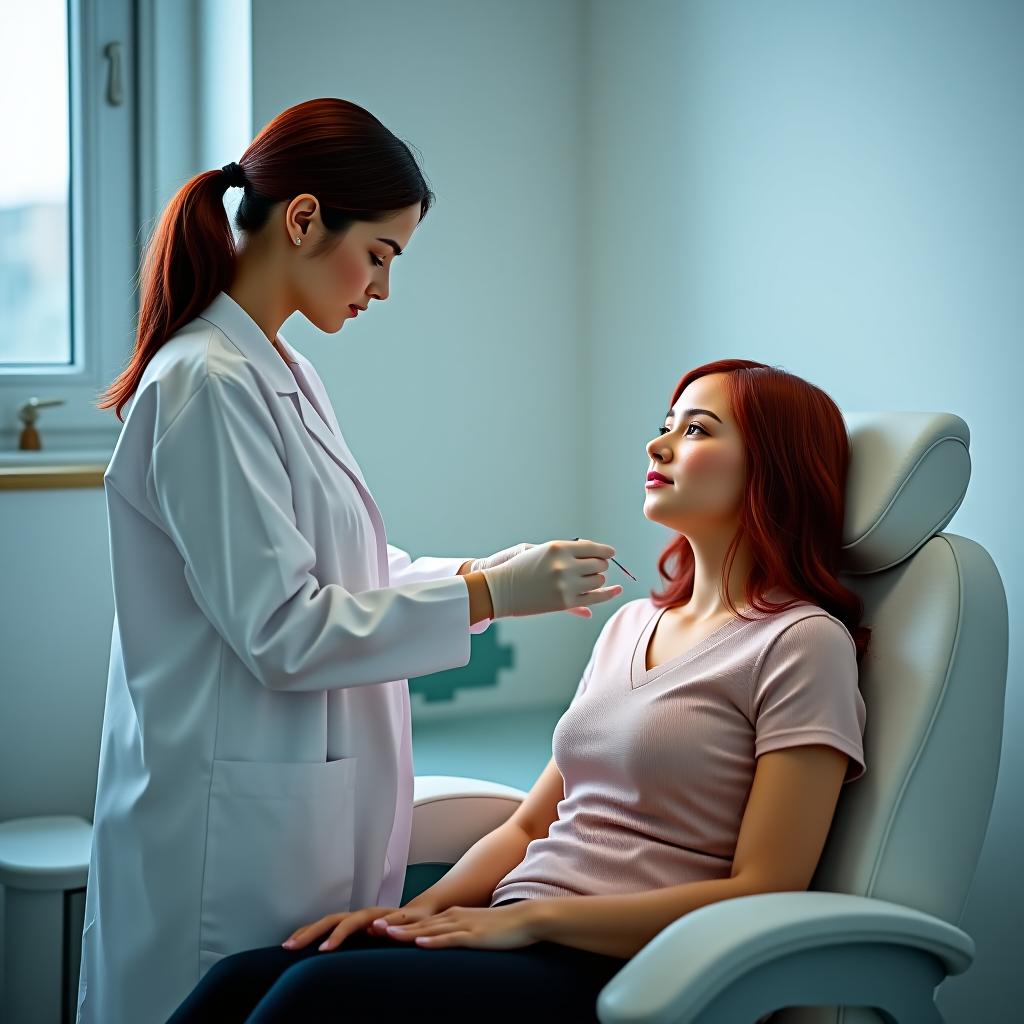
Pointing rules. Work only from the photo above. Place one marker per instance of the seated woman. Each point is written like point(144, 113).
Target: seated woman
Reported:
point(700, 759)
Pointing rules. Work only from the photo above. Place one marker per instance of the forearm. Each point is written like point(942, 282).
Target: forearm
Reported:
point(472, 881)
point(623, 925)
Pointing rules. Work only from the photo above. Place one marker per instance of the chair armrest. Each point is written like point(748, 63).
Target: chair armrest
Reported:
point(450, 814)
point(715, 950)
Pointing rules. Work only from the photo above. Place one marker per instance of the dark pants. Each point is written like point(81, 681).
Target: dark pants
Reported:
point(378, 979)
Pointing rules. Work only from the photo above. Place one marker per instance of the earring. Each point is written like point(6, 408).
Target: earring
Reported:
point(298, 241)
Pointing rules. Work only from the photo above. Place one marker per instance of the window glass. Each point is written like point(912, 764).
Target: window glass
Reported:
point(35, 292)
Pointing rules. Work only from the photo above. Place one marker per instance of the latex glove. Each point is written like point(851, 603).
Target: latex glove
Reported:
point(500, 557)
point(479, 564)
point(551, 577)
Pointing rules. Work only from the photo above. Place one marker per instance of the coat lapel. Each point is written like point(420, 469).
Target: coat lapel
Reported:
point(246, 335)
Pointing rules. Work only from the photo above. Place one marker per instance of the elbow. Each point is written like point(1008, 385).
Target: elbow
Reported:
point(274, 670)
point(276, 680)
point(271, 674)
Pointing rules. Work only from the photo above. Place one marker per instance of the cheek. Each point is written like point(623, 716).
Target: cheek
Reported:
point(349, 272)
point(718, 471)
point(705, 460)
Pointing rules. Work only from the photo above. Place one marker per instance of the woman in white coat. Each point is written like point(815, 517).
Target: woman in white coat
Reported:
point(256, 763)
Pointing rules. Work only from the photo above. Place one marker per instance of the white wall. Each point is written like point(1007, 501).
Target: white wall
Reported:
point(56, 610)
point(834, 188)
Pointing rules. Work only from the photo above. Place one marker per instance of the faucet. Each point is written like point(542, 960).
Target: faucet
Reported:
point(28, 414)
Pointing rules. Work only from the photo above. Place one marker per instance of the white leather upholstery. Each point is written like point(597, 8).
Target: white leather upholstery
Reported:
point(933, 682)
point(908, 475)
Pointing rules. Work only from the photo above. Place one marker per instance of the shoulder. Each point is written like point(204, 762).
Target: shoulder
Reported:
point(806, 624)
point(804, 637)
point(198, 358)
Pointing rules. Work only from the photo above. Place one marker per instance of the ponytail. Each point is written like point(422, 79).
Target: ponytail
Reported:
point(188, 261)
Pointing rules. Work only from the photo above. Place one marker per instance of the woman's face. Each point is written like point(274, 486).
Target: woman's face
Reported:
point(701, 453)
point(337, 285)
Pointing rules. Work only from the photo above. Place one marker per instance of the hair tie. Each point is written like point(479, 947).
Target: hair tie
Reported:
point(234, 175)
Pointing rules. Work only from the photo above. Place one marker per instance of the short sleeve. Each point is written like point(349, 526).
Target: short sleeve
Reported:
point(807, 692)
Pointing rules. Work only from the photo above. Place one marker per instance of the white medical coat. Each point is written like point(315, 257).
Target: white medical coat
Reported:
point(256, 758)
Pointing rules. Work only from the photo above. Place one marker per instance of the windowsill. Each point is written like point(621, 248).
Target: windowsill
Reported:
point(49, 470)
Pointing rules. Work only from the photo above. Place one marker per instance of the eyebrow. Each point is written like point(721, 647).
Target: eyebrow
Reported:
point(394, 245)
point(693, 412)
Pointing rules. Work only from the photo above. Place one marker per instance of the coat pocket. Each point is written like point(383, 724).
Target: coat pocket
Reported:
point(280, 851)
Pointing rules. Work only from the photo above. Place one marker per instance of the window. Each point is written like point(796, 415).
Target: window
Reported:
point(68, 251)
point(34, 191)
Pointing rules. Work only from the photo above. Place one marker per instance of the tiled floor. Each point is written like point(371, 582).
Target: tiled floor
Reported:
point(511, 747)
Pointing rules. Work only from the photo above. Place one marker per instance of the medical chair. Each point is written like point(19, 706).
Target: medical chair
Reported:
point(877, 932)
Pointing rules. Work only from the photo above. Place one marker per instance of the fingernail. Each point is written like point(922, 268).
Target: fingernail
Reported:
point(288, 943)
point(323, 945)
point(380, 921)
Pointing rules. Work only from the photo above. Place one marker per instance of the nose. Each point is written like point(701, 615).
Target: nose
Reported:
point(656, 449)
point(378, 290)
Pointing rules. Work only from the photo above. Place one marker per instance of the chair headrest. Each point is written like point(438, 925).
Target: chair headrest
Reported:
point(908, 475)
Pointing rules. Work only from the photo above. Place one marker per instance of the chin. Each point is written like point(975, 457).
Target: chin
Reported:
point(328, 321)
point(651, 513)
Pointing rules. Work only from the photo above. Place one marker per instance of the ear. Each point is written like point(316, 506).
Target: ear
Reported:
point(302, 211)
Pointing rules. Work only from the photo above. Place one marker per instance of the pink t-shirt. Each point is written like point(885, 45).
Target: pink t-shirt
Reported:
point(658, 764)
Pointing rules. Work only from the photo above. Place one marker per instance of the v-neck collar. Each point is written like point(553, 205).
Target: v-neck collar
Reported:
point(640, 675)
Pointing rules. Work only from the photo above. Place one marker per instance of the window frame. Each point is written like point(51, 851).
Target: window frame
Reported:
point(103, 248)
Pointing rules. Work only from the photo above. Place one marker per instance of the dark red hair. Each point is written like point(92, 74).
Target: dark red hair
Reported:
point(331, 148)
point(797, 456)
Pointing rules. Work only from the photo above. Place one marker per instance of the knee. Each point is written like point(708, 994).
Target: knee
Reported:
point(229, 970)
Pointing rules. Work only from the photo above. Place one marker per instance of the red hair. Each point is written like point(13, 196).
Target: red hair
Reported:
point(797, 456)
point(333, 149)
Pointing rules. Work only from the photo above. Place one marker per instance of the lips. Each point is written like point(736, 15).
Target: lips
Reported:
point(657, 476)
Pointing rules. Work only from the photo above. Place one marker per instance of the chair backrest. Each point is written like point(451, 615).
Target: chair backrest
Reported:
point(934, 677)
point(933, 680)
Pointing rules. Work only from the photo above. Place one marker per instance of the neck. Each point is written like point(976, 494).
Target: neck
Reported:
point(708, 600)
point(257, 288)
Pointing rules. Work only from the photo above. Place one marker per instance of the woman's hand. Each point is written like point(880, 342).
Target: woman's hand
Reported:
point(341, 926)
point(473, 927)
point(500, 557)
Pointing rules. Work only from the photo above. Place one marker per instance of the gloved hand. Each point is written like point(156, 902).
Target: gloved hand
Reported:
point(500, 557)
point(555, 576)
point(479, 564)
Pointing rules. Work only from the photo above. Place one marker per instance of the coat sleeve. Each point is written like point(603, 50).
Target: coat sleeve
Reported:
point(218, 482)
point(403, 569)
